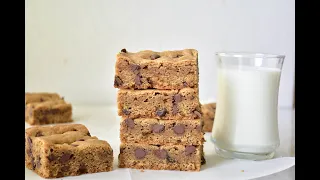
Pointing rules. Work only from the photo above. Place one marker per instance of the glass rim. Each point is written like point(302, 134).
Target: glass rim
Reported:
point(249, 55)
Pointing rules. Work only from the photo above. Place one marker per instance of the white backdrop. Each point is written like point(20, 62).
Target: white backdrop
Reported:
point(71, 44)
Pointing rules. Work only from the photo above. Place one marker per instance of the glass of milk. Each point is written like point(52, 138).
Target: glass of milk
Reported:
point(246, 119)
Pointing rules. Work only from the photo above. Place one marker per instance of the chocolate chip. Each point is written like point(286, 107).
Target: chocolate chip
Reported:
point(149, 81)
point(129, 122)
point(81, 140)
point(179, 55)
point(52, 157)
point(124, 50)
point(157, 128)
point(170, 159)
point(198, 115)
point(88, 134)
point(175, 109)
point(140, 153)
point(126, 112)
point(161, 112)
point(38, 134)
point(154, 56)
point(82, 169)
point(65, 157)
point(199, 127)
point(137, 80)
point(62, 98)
point(203, 160)
point(74, 145)
point(177, 98)
point(160, 153)
point(178, 129)
point(185, 84)
point(41, 100)
point(29, 142)
point(135, 68)
point(29, 152)
point(117, 81)
point(190, 149)
point(65, 168)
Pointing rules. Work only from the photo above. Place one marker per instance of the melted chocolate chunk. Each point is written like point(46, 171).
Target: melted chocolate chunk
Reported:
point(161, 112)
point(157, 128)
point(140, 153)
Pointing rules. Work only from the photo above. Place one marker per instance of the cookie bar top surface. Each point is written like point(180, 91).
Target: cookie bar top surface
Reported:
point(148, 55)
point(55, 129)
point(73, 134)
point(157, 70)
point(31, 97)
point(48, 104)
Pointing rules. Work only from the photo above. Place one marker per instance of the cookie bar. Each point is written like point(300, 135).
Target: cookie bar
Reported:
point(157, 70)
point(41, 97)
point(65, 150)
point(208, 111)
point(160, 104)
point(166, 157)
point(161, 132)
point(48, 112)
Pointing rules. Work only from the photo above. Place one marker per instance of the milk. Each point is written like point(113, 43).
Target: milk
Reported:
point(246, 114)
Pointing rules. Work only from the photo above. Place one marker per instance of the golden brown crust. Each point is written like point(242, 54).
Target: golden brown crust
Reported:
point(157, 70)
point(31, 97)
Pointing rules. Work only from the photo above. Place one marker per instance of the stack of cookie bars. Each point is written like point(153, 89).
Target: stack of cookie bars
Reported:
point(158, 100)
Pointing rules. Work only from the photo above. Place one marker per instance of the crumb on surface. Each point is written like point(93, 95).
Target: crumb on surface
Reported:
point(141, 170)
point(242, 170)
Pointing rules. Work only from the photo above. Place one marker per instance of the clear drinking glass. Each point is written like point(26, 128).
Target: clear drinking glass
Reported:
point(246, 119)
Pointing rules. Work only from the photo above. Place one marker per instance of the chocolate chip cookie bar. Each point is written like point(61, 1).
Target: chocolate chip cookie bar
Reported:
point(166, 157)
point(161, 132)
point(48, 112)
point(208, 111)
point(65, 150)
point(160, 104)
point(157, 70)
point(41, 97)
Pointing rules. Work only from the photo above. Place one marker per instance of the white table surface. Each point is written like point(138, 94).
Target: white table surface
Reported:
point(103, 122)
point(287, 140)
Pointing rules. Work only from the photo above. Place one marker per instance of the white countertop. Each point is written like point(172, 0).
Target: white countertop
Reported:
point(103, 122)
point(287, 146)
